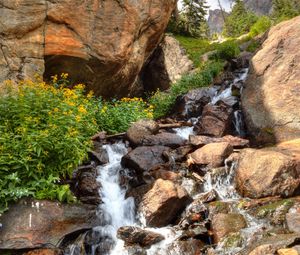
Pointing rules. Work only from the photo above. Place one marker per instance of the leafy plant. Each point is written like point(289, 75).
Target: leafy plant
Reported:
point(226, 50)
point(260, 26)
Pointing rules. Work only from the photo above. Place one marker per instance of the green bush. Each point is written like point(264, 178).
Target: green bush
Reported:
point(285, 9)
point(227, 50)
point(260, 26)
point(45, 133)
point(164, 101)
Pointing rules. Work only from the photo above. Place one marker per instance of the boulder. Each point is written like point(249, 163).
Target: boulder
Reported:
point(165, 139)
point(288, 251)
point(163, 203)
point(134, 235)
point(271, 97)
point(236, 142)
point(265, 249)
point(42, 224)
point(165, 66)
point(138, 130)
point(293, 219)
point(44, 252)
point(144, 158)
point(216, 120)
point(213, 154)
point(104, 45)
point(266, 172)
point(224, 224)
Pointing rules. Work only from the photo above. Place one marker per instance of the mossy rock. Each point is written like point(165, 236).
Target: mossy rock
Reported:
point(233, 240)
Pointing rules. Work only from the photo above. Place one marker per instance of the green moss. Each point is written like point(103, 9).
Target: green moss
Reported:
point(233, 240)
point(269, 209)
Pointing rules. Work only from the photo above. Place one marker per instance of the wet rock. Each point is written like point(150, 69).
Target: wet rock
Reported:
point(138, 130)
point(287, 252)
point(44, 252)
point(164, 172)
point(293, 219)
point(207, 197)
point(191, 104)
point(135, 235)
point(271, 97)
point(188, 247)
point(243, 60)
point(224, 224)
point(42, 224)
point(213, 154)
point(179, 154)
point(165, 66)
point(85, 186)
point(161, 205)
point(99, 154)
point(139, 192)
point(217, 207)
point(236, 142)
point(266, 172)
point(165, 139)
point(144, 158)
point(216, 120)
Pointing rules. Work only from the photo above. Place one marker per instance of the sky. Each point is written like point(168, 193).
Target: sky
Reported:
point(214, 4)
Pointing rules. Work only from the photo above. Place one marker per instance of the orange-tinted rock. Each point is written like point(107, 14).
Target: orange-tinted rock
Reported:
point(271, 97)
point(44, 252)
point(103, 44)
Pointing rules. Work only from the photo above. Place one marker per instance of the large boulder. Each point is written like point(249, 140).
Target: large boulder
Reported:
point(103, 44)
point(267, 172)
point(166, 65)
point(271, 97)
point(163, 203)
point(31, 224)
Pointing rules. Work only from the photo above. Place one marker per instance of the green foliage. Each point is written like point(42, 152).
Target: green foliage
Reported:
point(164, 101)
point(194, 47)
point(285, 9)
point(45, 134)
point(253, 46)
point(260, 26)
point(226, 50)
point(116, 116)
point(239, 21)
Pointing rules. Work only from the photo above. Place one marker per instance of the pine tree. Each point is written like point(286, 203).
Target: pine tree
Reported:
point(285, 9)
point(194, 12)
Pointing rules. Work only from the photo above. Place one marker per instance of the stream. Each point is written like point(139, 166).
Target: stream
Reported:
point(117, 210)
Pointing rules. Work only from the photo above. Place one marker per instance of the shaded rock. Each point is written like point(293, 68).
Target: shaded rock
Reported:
point(216, 120)
point(266, 172)
point(41, 224)
point(293, 219)
point(207, 196)
point(213, 154)
point(99, 154)
point(138, 130)
point(191, 104)
point(236, 142)
point(242, 60)
point(165, 139)
point(165, 66)
point(187, 247)
point(161, 205)
point(135, 235)
point(224, 224)
point(108, 41)
point(44, 252)
point(144, 158)
point(271, 97)
point(85, 186)
point(179, 154)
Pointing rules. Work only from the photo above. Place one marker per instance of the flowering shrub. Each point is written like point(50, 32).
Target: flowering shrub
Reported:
point(45, 133)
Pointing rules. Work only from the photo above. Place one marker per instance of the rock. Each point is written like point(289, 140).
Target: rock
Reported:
point(271, 96)
point(191, 104)
point(165, 139)
point(163, 203)
point(224, 224)
point(293, 219)
point(259, 7)
point(165, 66)
point(265, 249)
point(216, 21)
point(179, 154)
point(108, 41)
point(144, 158)
point(99, 154)
point(216, 120)
point(164, 172)
point(236, 142)
point(44, 252)
point(135, 235)
point(187, 247)
point(266, 172)
point(139, 192)
point(42, 224)
point(287, 252)
point(213, 154)
point(85, 185)
point(138, 130)
point(243, 60)
point(207, 196)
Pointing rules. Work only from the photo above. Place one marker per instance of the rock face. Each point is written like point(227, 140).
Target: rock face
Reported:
point(216, 21)
point(103, 44)
point(260, 7)
point(166, 65)
point(40, 224)
point(271, 97)
point(163, 203)
point(266, 172)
